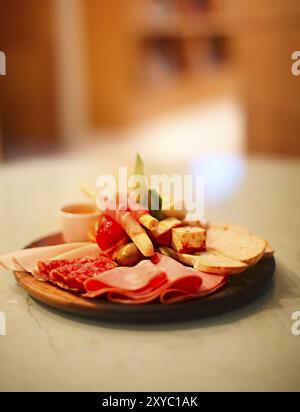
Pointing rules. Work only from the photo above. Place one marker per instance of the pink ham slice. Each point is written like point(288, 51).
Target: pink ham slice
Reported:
point(88, 249)
point(127, 284)
point(136, 285)
point(182, 281)
point(186, 283)
point(26, 259)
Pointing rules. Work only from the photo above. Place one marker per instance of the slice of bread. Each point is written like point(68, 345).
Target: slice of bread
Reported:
point(208, 262)
point(236, 244)
point(218, 264)
point(269, 251)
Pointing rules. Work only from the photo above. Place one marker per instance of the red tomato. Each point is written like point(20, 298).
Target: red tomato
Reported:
point(109, 232)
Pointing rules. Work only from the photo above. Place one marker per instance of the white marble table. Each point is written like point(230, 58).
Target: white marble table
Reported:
point(249, 349)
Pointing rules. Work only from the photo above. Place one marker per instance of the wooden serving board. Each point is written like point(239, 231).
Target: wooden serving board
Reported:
point(239, 291)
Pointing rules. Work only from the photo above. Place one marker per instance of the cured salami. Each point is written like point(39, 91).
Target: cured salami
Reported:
point(71, 274)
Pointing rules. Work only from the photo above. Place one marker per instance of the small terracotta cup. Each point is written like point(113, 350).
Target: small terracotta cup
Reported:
point(76, 220)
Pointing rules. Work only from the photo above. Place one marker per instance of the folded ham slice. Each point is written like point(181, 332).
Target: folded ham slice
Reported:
point(127, 283)
point(186, 283)
point(26, 259)
point(171, 282)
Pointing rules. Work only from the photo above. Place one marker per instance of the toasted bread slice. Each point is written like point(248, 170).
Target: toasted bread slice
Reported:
point(235, 244)
point(218, 264)
point(208, 262)
point(269, 251)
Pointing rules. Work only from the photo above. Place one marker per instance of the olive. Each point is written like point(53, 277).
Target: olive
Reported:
point(129, 255)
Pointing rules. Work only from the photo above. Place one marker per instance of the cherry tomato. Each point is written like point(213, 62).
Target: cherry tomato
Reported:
point(109, 232)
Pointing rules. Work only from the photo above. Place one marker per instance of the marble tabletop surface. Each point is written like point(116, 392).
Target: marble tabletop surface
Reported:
point(248, 349)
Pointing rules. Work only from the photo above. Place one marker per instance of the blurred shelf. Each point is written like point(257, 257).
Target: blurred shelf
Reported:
point(209, 24)
point(158, 54)
point(187, 88)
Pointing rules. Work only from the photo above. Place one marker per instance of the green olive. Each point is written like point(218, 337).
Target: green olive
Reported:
point(129, 255)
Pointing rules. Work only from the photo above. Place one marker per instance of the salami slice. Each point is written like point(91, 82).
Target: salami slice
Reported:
point(72, 273)
point(45, 268)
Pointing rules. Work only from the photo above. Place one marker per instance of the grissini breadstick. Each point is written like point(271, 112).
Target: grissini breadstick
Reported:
point(134, 230)
point(146, 220)
point(88, 190)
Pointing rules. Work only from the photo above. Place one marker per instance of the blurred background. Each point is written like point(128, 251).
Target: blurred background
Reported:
point(170, 77)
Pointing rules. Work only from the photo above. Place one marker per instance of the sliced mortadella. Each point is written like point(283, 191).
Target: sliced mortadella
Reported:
point(185, 283)
point(162, 278)
point(129, 282)
point(88, 249)
point(26, 258)
point(29, 261)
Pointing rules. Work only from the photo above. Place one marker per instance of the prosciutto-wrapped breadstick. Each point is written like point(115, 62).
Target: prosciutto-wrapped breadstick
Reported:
point(147, 220)
point(133, 229)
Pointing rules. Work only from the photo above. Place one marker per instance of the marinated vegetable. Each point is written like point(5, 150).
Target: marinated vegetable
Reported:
point(129, 255)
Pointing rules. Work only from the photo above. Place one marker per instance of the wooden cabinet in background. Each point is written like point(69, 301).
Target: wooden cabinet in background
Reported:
point(270, 32)
point(149, 56)
point(78, 65)
point(28, 106)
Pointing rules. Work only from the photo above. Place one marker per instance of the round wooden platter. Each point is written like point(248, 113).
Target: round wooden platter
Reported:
point(239, 291)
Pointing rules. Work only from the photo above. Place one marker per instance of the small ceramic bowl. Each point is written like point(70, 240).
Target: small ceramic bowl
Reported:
point(76, 220)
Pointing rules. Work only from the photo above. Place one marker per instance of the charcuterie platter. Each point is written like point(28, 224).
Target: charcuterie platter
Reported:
point(240, 291)
point(131, 258)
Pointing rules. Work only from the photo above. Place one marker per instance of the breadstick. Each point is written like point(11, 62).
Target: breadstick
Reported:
point(134, 230)
point(88, 190)
point(147, 220)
